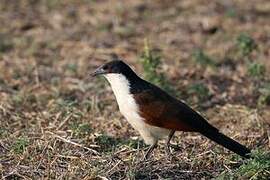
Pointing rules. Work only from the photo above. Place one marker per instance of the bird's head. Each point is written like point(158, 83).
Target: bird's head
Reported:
point(113, 67)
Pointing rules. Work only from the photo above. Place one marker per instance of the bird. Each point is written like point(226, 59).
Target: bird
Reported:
point(154, 113)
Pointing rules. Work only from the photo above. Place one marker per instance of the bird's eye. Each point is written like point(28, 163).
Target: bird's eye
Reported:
point(105, 67)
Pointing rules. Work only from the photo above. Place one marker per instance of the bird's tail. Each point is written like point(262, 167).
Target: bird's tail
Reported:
point(228, 143)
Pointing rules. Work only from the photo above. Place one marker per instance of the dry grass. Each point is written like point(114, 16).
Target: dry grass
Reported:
point(57, 123)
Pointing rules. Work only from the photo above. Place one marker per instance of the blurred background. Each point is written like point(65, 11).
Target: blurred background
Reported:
point(58, 122)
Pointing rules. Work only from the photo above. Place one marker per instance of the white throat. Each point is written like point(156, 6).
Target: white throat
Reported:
point(120, 86)
point(126, 102)
point(130, 110)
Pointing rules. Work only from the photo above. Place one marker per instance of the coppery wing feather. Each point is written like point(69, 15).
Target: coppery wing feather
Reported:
point(162, 110)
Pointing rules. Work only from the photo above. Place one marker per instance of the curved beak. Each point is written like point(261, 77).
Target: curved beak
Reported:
point(98, 71)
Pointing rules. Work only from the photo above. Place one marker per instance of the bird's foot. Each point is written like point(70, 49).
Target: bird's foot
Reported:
point(149, 151)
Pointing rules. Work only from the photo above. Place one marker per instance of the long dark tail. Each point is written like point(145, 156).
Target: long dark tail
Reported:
point(228, 143)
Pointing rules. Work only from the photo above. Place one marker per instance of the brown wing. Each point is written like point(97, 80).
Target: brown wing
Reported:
point(160, 109)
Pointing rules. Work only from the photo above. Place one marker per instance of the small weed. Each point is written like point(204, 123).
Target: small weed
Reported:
point(51, 4)
point(151, 65)
point(203, 59)
point(72, 67)
point(264, 98)
point(55, 81)
point(23, 42)
point(5, 43)
point(17, 99)
point(67, 104)
point(81, 130)
point(87, 104)
point(24, 98)
point(256, 168)
point(134, 143)
point(106, 143)
point(33, 48)
point(256, 70)
point(245, 44)
point(3, 132)
point(124, 31)
point(199, 90)
point(231, 13)
point(104, 27)
point(20, 145)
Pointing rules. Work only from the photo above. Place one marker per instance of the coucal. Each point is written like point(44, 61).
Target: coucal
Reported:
point(154, 113)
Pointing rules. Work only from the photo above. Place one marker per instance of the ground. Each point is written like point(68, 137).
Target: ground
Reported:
point(58, 122)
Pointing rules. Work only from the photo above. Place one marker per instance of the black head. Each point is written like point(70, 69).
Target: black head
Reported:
point(116, 67)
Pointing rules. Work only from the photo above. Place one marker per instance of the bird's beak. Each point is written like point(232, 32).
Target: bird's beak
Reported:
point(98, 71)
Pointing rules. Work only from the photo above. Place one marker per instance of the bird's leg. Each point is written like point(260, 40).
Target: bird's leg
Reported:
point(168, 142)
point(150, 149)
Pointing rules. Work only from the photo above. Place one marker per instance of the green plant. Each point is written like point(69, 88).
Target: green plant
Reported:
point(230, 12)
point(256, 168)
point(107, 143)
point(3, 132)
point(152, 66)
point(134, 143)
point(52, 4)
point(81, 130)
point(199, 90)
point(5, 43)
point(20, 145)
point(203, 59)
point(264, 98)
point(124, 31)
point(245, 44)
point(66, 104)
point(256, 69)
point(72, 67)
point(17, 99)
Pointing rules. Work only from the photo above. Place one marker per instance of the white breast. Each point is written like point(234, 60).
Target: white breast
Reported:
point(130, 110)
